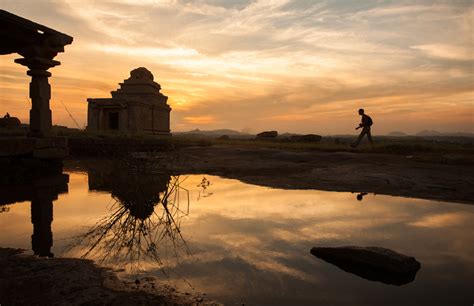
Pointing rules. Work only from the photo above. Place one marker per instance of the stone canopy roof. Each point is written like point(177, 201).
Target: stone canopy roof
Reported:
point(28, 38)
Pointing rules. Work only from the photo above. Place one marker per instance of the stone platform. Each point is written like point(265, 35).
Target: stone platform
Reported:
point(23, 159)
point(44, 148)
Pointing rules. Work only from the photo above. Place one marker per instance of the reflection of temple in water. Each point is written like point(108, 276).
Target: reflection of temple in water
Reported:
point(143, 220)
point(41, 193)
point(138, 191)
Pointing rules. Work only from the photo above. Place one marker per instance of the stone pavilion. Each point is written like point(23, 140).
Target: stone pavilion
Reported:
point(38, 45)
point(137, 106)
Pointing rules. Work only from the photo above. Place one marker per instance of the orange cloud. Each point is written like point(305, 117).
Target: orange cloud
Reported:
point(200, 119)
point(289, 117)
point(441, 220)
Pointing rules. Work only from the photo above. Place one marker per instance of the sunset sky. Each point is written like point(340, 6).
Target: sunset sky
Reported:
point(293, 66)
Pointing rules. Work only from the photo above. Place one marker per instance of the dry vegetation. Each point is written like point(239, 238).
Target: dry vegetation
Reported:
point(440, 148)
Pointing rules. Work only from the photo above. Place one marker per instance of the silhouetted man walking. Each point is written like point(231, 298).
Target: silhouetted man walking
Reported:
point(365, 124)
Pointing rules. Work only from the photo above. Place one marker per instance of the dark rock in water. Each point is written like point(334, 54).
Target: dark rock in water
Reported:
point(267, 134)
point(372, 263)
point(10, 122)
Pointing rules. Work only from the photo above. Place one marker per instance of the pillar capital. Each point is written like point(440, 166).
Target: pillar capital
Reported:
point(38, 66)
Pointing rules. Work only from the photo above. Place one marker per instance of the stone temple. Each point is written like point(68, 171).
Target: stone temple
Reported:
point(136, 107)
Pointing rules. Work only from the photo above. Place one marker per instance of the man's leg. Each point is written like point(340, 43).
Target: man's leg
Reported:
point(369, 136)
point(362, 133)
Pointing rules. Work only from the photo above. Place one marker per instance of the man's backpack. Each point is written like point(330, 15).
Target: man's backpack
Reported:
point(369, 121)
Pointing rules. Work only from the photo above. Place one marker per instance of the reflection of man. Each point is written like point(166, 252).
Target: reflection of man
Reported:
point(361, 195)
point(365, 124)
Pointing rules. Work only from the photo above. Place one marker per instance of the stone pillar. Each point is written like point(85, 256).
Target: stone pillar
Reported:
point(133, 124)
point(92, 117)
point(123, 117)
point(40, 94)
point(101, 120)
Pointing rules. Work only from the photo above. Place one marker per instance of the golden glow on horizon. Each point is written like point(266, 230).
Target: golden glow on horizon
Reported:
point(200, 120)
point(282, 65)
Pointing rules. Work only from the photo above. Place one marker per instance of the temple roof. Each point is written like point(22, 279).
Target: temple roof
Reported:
point(140, 87)
point(140, 81)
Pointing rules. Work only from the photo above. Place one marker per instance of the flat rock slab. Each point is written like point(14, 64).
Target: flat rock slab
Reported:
point(31, 280)
point(372, 263)
point(339, 171)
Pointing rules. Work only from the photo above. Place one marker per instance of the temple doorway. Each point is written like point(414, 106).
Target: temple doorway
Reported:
point(113, 120)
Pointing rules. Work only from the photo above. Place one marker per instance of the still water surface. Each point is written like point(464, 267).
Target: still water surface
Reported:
point(243, 243)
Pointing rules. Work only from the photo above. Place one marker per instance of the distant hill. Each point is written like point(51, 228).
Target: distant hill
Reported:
point(433, 133)
point(429, 133)
point(213, 133)
point(397, 134)
point(460, 134)
point(237, 134)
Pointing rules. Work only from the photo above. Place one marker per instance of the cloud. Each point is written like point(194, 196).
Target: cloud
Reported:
point(145, 51)
point(442, 220)
point(403, 9)
point(289, 117)
point(446, 51)
point(275, 63)
point(200, 119)
point(227, 4)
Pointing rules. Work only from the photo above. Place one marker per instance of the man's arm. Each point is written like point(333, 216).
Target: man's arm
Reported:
point(363, 122)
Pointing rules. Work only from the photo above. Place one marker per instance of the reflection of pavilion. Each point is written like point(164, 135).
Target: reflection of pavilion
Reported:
point(41, 193)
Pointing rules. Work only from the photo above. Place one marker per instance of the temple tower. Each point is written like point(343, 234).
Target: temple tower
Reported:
point(137, 106)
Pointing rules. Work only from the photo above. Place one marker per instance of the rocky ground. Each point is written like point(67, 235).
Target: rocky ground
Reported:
point(30, 280)
point(446, 178)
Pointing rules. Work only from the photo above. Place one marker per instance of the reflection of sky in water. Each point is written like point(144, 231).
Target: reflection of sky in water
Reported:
point(251, 244)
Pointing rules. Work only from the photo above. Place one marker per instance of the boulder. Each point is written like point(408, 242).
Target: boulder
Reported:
point(268, 134)
point(223, 137)
point(306, 138)
point(10, 122)
point(372, 263)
